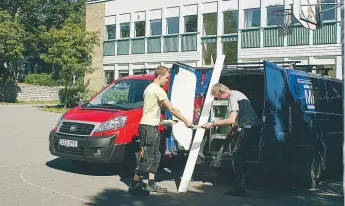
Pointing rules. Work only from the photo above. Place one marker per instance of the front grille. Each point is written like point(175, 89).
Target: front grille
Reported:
point(76, 128)
point(79, 151)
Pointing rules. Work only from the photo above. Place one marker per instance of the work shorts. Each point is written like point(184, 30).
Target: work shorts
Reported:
point(149, 156)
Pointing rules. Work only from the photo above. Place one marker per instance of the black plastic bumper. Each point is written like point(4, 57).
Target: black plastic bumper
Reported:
point(88, 148)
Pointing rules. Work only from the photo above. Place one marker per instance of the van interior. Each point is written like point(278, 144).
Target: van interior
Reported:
point(251, 84)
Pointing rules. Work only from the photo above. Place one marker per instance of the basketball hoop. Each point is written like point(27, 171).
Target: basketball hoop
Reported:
point(285, 17)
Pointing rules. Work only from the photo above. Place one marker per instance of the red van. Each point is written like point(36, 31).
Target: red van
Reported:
point(104, 128)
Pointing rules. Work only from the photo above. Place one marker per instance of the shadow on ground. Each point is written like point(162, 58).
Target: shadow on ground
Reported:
point(206, 189)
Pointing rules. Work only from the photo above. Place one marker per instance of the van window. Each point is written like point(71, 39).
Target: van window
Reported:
point(334, 91)
point(123, 94)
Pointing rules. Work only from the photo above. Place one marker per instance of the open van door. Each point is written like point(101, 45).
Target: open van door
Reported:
point(275, 118)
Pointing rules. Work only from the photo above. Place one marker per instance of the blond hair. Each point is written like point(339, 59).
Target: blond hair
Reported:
point(219, 88)
point(161, 70)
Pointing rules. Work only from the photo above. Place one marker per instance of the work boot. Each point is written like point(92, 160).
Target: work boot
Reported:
point(139, 188)
point(237, 191)
point(156, 188)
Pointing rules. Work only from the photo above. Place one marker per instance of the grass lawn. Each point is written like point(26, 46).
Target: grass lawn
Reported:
point(55, 109)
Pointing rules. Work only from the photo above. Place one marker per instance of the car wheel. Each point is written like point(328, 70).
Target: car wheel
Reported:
point(314, 171)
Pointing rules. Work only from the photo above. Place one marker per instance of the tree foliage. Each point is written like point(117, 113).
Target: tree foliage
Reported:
point(11, 43)
point(70, 48)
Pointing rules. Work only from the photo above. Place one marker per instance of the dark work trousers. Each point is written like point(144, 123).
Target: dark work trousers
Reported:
point(239, 156)
point(149, 155)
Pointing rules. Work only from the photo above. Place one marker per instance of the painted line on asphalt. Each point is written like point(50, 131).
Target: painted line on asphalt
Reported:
point(43, 188)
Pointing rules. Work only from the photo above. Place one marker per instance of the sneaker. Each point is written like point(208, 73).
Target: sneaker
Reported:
point(138, 189)
point(156, 188)
point(236, 192)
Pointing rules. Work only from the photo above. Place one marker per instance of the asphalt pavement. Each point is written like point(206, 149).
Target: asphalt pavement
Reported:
point(30, 176)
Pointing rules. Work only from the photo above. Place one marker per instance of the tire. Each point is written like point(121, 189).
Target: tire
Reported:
point(313, 172)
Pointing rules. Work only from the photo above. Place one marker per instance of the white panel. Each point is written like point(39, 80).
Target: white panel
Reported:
point(190, 10)
point(152, 65)
point(109, 67)
point(211, 7)
point(123, 18)
point(122, 67)
point(184, 81)
point(199, 134)
point(323, 61)
point(274, 2)
point(138, 66)
point(109, 20)
point(139, 16)
point(156, 14)
point(172, 12)
point(230, 5)
point(251, 4)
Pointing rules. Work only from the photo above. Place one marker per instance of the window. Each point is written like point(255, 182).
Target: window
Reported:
point(191, 23)
point(110, 32)
point(156, 27)
point(139, 28)
point(252, 18)
point(123, 74)
point(173, 25)
point(124, 30)
point(109, 76)
point(328, 70)
point(123, 94)
point(230, 22)
point(230, 52)
point(272, 19)
point(209, 53)
point(210, 24)
point(331, 14)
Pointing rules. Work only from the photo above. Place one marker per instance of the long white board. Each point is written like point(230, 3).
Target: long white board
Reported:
point(199, 134)
point(182, 97)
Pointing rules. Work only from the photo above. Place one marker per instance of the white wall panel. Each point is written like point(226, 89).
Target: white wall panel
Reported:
point(230, 5)
point(172, 12)
point(251, 4)
point(190, 10)
point(109, 20)
point(139, 16)
point(211, 7)
point(123, 18)
point(155, 14)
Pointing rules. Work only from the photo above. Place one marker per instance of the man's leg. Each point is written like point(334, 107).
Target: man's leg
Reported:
point(144, 162)
point(238, 166)
point(152, 186)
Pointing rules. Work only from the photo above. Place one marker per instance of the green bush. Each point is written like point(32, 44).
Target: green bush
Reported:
point(75, 94)
point(41, 79)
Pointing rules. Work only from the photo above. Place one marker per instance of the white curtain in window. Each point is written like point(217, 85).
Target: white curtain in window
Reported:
point(248, 19)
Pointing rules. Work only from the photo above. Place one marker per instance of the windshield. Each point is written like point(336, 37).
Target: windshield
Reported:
point(124, 95)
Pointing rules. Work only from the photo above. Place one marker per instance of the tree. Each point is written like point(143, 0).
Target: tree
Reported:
point(71, 49)
point(11, 43)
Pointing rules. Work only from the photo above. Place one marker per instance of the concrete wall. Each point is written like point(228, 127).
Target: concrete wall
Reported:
point(25, 92)
point(95, 22)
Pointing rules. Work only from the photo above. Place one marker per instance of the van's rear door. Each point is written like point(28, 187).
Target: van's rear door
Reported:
point(275, 119)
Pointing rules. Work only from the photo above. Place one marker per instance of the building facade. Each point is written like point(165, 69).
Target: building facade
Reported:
point(138, 35)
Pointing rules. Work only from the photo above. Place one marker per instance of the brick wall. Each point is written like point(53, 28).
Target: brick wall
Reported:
point(25, 92)
point(95, 15)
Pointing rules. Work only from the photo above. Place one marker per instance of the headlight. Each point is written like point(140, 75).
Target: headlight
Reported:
point(59, 123)
point(115, 123)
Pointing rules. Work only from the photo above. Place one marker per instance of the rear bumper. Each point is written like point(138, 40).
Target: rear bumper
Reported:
point(88, 148)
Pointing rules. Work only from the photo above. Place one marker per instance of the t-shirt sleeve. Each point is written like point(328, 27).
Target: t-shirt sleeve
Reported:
point(161, 94)
point(233, 105)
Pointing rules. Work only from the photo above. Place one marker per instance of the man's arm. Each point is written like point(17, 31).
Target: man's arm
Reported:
point(167, 104)
point(228, 121)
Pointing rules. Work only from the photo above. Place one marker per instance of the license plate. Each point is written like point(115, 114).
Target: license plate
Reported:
point(68, 143)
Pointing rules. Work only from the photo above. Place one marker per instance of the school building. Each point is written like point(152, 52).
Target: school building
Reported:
point(141, 34)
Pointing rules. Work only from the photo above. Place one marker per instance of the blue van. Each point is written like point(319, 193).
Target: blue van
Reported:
point(300, 132)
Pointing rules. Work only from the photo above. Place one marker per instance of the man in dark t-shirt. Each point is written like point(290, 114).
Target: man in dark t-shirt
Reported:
point(240, 112)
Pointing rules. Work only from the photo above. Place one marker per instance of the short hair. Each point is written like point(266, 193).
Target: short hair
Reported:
point(161, 70)
point(218, 87)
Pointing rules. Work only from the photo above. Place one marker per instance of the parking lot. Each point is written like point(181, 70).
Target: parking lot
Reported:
point(30, 176)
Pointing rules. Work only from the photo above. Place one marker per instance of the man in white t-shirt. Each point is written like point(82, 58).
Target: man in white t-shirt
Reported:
point(154, 99)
